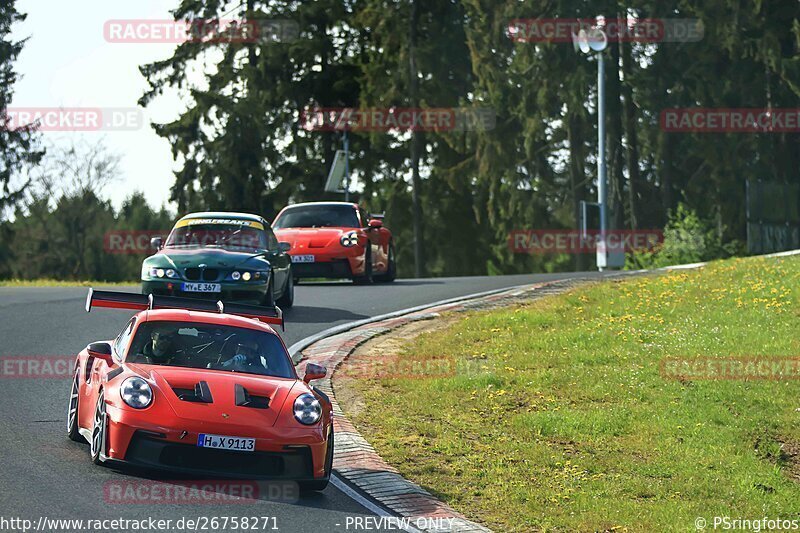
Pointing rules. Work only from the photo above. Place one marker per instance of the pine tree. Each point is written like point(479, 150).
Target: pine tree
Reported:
point(19, 146)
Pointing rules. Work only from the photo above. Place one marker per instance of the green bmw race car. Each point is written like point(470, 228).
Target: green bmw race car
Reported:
point(221, 256)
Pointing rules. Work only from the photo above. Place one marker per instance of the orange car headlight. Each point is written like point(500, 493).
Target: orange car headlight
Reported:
point(349, 240)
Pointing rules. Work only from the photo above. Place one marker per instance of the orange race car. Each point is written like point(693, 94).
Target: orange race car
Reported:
point(336, 240)
point(200, 387)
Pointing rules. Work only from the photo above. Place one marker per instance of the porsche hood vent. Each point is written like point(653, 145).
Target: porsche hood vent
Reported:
point(200, 394)
point(245, 399)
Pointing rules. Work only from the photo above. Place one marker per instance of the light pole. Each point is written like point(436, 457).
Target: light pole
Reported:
point(346, 167)
point(595, 41)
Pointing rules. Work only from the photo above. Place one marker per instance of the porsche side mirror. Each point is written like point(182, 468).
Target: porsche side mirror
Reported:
point(375, 223)
point(284, 246)
point(100, 350)
point(156, 243)
point(314, 371)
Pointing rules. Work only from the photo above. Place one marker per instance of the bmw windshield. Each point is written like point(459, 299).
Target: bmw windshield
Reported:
point(241, 235)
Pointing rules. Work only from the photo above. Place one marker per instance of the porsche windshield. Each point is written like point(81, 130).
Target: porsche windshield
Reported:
point(210, 346)
point(318, 216)
point(216, 235)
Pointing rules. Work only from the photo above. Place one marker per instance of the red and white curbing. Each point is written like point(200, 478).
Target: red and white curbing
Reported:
point(354, 459)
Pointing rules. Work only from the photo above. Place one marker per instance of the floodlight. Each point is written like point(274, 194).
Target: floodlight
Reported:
point(583, 41)
point(597, 39)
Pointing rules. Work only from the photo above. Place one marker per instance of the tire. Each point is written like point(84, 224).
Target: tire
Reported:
point(269, 297)
point(320, 484)
point(391, 270)
point(99, 431)
point(286, 301)
point(72, 409)
point(366, 278)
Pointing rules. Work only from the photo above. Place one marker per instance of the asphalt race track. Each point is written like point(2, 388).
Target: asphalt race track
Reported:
point(42, 473)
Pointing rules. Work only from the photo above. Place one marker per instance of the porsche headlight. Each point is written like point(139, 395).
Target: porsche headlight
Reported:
point(349, 240)
point(307, 409)
point(136, 392)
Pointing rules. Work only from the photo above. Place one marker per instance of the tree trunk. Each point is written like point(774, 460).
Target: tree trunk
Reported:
point(416, 209)
point(664, 159)
point(577, 176)
point(614, 154)
point(631, 135)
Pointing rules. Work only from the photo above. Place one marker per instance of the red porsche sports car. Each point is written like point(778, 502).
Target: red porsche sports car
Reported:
point(336, 240)
point(200, 387)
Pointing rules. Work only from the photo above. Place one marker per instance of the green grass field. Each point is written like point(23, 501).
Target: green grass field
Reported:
point(560, 419)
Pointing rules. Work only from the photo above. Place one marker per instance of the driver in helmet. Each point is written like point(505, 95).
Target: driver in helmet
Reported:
point(161, 348)
point(246, 356)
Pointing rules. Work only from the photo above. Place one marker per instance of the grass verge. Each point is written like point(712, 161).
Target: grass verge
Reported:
point(561, 417)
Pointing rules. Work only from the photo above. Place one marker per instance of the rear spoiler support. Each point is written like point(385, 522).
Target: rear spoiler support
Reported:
point(144, 302)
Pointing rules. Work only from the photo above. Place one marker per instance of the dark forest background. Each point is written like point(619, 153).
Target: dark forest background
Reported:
point(240, 146)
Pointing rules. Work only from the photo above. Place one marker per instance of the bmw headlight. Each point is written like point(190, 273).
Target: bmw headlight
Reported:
point(235, 275)
point(155, 272)
point(349, 240)
point(246, 276)
point(171, 273)
point(307, 409)
point(136, 392)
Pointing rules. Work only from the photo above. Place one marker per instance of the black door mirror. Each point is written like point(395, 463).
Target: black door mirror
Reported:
point(156, 243)
point(100, 350)
point(314, 371)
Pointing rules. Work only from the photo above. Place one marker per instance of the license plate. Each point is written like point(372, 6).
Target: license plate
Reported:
point(303, 259)
point(221, 442)
point(201, 287)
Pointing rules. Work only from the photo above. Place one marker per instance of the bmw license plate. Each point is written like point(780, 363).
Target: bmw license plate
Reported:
point(303, 259)
point(201, 287)
point(221, 442)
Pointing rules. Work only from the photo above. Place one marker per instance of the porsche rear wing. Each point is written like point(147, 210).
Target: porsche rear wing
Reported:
point(142, 302)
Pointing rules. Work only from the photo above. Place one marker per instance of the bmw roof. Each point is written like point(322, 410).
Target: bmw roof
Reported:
point(224, 214)
point(351, 204)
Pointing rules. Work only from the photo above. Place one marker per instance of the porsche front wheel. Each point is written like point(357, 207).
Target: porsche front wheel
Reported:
point(366, 277)
point(99, 431)
point(72, 409)
point(391, 268)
